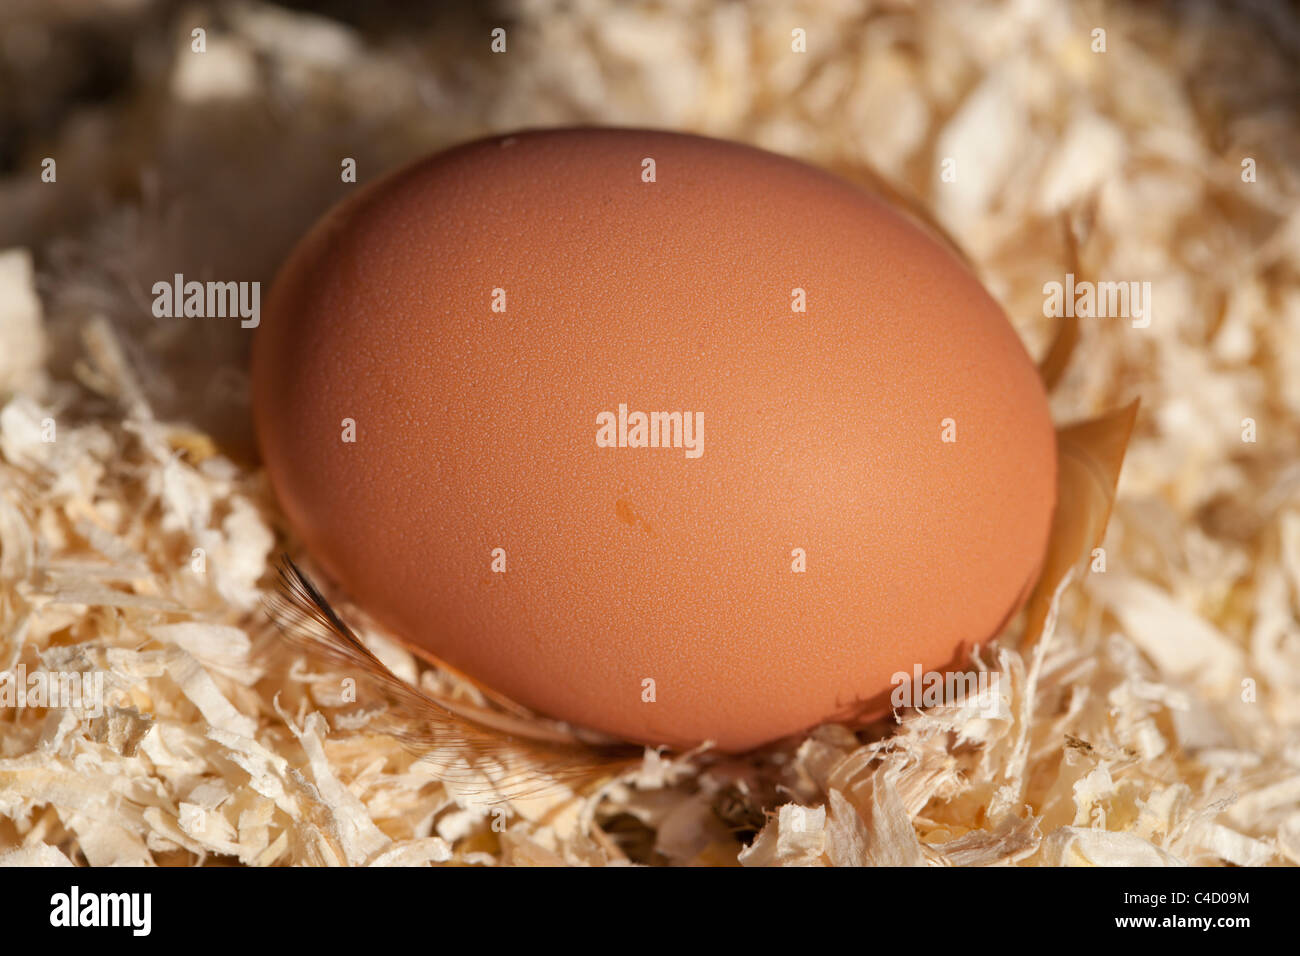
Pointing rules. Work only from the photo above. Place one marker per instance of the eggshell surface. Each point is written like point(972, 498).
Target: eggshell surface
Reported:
point(876, 473)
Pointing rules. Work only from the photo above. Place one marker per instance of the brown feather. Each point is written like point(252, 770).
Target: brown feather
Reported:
point(505, 755)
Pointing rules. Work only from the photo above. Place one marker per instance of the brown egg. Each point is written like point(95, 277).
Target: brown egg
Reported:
point(857, 478)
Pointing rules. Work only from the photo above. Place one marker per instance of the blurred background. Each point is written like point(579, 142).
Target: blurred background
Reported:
point(212, 163)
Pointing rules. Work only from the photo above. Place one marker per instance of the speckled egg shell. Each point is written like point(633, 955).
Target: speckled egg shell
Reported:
point(647, 593)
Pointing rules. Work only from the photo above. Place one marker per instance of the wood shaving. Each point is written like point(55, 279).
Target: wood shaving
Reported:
point(1156, 723)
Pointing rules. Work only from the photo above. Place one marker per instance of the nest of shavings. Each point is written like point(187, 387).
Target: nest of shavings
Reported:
point(1156, 720)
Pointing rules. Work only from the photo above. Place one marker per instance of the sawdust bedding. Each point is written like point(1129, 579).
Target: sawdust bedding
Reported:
point(1156, 722)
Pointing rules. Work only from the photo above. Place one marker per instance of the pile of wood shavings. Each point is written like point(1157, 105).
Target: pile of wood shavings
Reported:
point(1158, 723)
